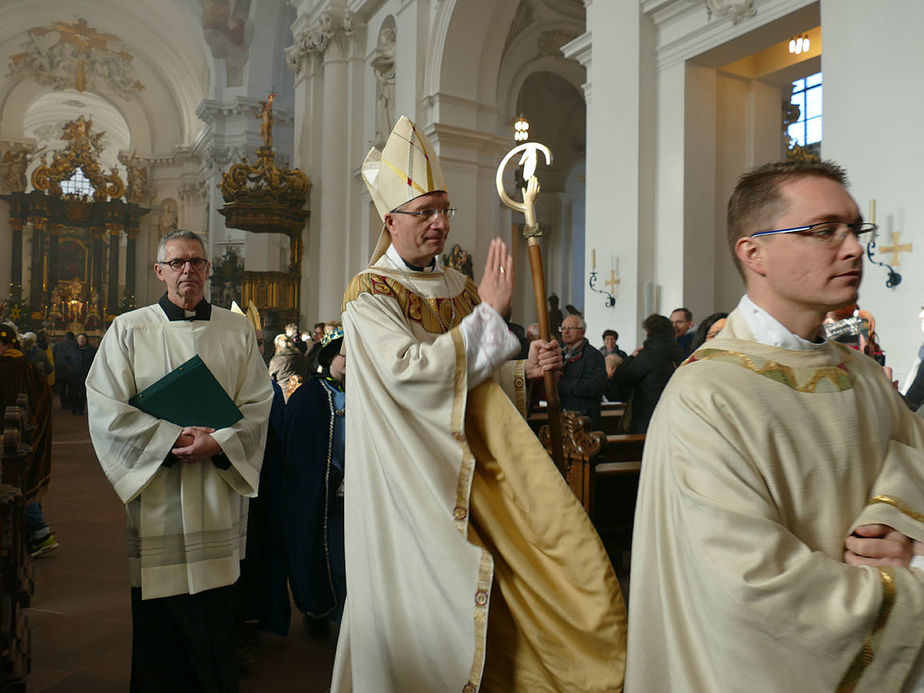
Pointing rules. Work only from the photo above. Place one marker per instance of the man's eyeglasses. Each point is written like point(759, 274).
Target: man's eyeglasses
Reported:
point(430, 214)
point(831, 233)
point(569, 329)
point(177, 264)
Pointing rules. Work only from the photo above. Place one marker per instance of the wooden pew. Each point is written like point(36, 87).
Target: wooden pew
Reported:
point(610, 415)
point(16, 579)
point(603, 473)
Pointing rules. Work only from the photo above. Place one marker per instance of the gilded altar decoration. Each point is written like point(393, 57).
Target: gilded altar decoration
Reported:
point(460, 260)
point(139, 189)
point(76, 56)
point(81, 228)
point(13, 166)
point(261, 197)
point(82, 152)
point(264, 198)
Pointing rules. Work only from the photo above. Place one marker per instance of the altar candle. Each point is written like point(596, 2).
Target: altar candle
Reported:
point(872, 211)
point(593, 258)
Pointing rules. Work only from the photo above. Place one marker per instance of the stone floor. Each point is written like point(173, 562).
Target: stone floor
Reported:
point(80, 619)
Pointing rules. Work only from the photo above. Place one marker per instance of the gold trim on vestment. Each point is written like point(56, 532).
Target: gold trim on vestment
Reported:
point(460, 513)
point(899, 505)
point(799, 379)
point(430, 313)
point(519, 387)
point(866, 654)
point(457, 428)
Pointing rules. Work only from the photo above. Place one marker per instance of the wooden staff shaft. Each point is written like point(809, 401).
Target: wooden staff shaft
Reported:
point(553, 405)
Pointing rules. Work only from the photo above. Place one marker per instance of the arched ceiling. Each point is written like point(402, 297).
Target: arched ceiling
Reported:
point(169, 57)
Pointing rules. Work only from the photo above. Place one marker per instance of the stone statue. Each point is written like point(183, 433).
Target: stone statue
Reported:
point(383, 65)
point(15, 163)
point(266, 120)
point(168, 218)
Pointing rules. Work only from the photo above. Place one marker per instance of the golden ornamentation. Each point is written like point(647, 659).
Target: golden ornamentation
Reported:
point(263, 198)
point(866, 654)
point(76, 56)
point(826, 379)
point(896, 248)
point(412, 305)
point(83, 152)
point(460, 260)
point(139, 189)
point(580, 445)
point(899, 505)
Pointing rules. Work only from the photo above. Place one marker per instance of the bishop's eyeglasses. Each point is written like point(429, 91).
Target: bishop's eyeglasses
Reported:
point(429, 214)
point(831, 233)
point(178, 263)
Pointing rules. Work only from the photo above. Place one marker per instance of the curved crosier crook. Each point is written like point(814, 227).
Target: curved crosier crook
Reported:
point(529, 159)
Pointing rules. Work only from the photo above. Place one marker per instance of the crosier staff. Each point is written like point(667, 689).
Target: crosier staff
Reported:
point(532, 233)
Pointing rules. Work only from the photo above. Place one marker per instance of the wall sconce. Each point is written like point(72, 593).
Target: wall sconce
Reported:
point(610, 299)
point(893, 278)
point(521, 129)
point(799, 44)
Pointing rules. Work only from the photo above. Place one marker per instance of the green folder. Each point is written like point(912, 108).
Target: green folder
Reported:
point(189, 396)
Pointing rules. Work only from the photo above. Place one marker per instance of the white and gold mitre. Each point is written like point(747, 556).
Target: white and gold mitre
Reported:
point(252, 314)
point(406, 168)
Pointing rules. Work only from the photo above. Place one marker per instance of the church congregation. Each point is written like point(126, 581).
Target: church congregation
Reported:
point(596, 370)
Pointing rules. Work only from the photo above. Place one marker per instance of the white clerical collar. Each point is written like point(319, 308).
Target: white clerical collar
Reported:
point(399, 262)
point(770, 331)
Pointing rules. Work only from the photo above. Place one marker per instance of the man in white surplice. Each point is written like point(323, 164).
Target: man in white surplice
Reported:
point(469, 563)
point(184, 488)
point(781, 504)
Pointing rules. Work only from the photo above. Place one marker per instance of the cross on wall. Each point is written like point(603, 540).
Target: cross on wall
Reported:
point(612, 284)
point(896, 248)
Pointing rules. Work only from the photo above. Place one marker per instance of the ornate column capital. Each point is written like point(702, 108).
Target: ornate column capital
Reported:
point(736, 10)
point(329, 36)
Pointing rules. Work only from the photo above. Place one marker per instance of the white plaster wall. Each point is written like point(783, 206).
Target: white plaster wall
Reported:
point(872, 125)
point(613, 122)
point(748, 133)
point(695, 280)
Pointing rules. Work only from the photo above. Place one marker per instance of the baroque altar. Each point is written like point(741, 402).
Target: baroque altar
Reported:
point(74, 207)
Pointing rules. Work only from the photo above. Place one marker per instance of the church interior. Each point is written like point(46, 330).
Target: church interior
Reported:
point(247, 121)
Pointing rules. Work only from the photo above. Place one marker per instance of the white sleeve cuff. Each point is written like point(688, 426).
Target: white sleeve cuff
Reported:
point(488, 343)
point(917, 562)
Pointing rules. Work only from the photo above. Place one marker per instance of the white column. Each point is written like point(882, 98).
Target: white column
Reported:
point(881, 147)
point(613, 122)
point(321, 56)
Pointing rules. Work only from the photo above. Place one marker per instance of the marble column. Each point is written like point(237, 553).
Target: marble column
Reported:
point(54, 231)
point(96, 260)
point(112, 293)
point(614, 107)
point(321, 56)
point(16, 225)
point(130, 260)
point(36, 274)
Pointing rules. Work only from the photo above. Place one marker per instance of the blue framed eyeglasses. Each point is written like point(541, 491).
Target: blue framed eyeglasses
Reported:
point(830, 232)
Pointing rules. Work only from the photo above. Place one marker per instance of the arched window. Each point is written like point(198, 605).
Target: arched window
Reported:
point(77, 184)
point(807, 97)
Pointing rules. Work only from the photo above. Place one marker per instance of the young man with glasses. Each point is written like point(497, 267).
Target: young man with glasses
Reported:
point(782, 490)
point(185, 488)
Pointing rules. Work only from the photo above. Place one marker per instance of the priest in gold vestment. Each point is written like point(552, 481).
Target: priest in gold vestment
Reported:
point(781, 503)
point(470, 565)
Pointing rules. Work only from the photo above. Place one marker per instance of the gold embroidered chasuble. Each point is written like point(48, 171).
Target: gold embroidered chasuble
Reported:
point(758, 463)
point(470, 565)
point(187, 523)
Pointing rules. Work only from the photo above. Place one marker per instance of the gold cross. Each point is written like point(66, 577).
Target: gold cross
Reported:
point(896, 248)
point(613, 281)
